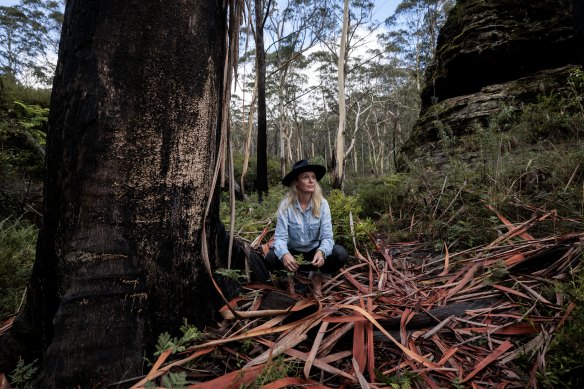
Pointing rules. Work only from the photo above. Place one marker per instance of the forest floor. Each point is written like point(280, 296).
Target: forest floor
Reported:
point(396, 317)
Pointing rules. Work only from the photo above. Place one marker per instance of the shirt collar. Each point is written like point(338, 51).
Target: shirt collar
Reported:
point(298, 207)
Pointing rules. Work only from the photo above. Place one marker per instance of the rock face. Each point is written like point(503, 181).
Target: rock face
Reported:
point(492, 52)
point(459, 115)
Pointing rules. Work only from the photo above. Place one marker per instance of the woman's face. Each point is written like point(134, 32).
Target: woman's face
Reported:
point(306, 182)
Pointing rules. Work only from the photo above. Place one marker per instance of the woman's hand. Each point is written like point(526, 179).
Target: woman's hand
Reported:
point(289, 262)
point(318, 259)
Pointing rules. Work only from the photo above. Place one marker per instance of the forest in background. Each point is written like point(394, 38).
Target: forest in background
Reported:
point(384, 68)
point(382, 76)
point(384, 63)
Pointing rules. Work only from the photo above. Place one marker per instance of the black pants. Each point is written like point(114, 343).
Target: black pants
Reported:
point(332, 263)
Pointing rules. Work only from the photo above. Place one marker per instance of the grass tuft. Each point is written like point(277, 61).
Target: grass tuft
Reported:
point(17, 252)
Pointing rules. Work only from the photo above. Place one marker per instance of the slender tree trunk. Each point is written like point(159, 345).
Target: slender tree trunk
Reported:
point(250, 121)
point(356, 129)
point(373, 152)
point(362, 155)
point(339, 172)
point(262, 141)
point(299, 148)
point(331, 150)
point(246, 150)
point(288, 141)
point(133, 139)
point(325, 154)
point(283, 122)
point(395, 135)
point(382, 157)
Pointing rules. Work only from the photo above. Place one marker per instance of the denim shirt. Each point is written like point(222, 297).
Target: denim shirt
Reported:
point(301, 231)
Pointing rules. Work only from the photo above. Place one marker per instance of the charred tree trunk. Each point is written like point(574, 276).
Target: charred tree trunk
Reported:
point(578, 12)
point(246, 149)
point(262, 141)
point(130, 151)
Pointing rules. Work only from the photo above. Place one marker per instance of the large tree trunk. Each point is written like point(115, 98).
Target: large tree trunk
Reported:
point(578, 12)
point(130, 151)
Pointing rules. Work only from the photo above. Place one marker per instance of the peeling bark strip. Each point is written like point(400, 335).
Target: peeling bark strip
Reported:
point(132, 141)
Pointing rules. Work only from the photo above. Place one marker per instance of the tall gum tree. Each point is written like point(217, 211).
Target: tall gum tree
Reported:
point(339, 171)
point(134, 133)
point(293, 32)
point(354, 35)
point(29, 36)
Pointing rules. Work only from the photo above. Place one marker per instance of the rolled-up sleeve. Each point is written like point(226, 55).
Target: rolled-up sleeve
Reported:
point(281, 234)
point(326, 230)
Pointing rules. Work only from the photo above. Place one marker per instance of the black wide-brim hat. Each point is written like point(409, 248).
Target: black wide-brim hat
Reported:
point(301, 167)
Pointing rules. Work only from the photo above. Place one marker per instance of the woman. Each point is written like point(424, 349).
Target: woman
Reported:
point(304, 225)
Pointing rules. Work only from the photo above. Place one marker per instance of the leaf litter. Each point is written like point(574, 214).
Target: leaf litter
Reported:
point(454, 319)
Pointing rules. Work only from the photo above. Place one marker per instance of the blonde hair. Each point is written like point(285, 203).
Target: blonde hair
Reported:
point(292, 197)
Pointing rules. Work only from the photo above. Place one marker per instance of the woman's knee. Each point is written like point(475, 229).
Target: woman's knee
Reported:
point(341, 253)
point(272, 261)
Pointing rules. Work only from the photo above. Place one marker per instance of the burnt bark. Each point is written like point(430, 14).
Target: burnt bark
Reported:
point(262, 139)
point(578, 12)
point(133, 137)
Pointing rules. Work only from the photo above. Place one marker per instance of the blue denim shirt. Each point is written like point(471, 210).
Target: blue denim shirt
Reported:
point(300, 231)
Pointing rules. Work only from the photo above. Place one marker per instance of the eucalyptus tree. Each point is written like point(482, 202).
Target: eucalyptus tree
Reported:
point(414, 29)
point(388, 89)
point(29, 38)
point(293, 31)
point(339, 171)
point(247, 83)
point(131, 222)
point(287, 92)
point(261, 11)
point(299, 135)
point(393, 80)
point(341, 54)
point(322, 103)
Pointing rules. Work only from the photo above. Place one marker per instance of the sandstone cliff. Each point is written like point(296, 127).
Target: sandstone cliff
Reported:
point(492, 55)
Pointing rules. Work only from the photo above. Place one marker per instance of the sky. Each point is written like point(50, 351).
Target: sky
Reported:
point(383, 8)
